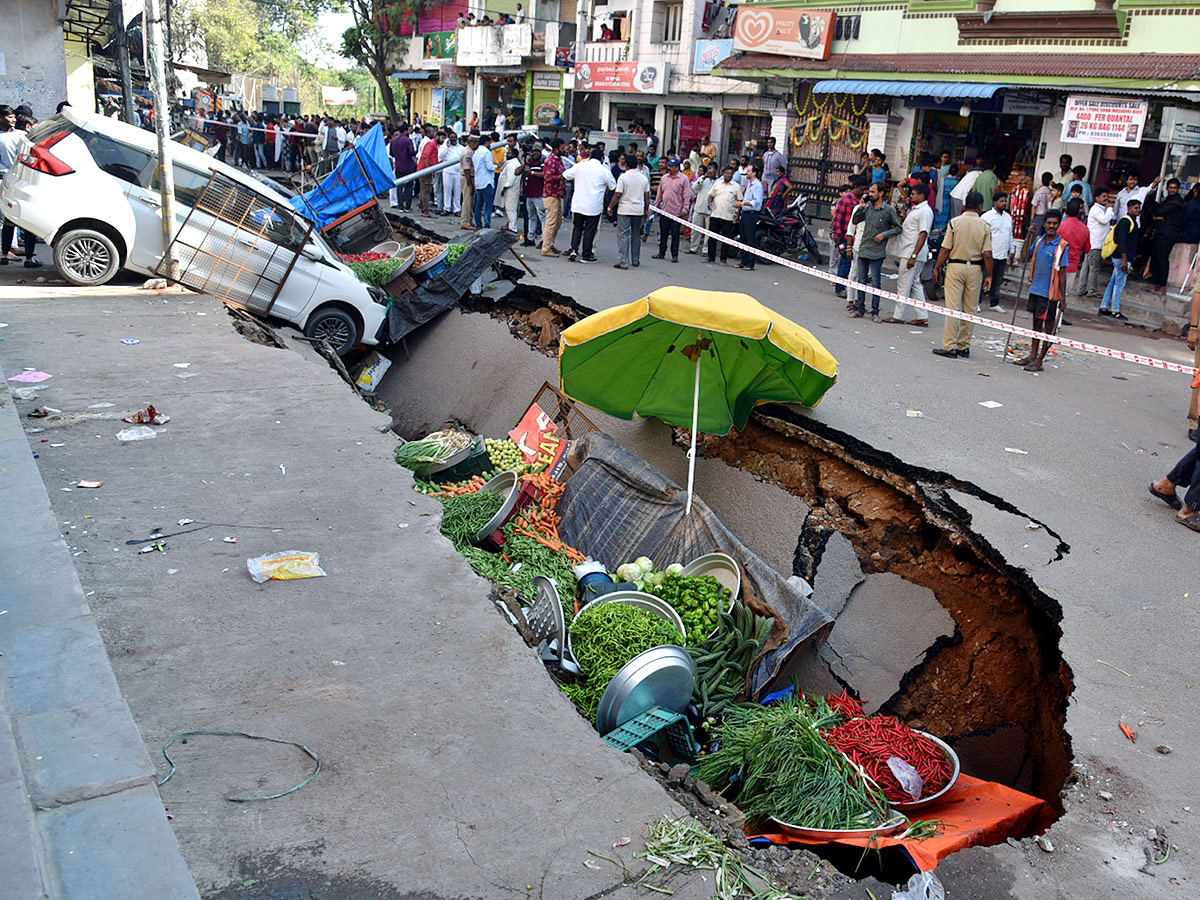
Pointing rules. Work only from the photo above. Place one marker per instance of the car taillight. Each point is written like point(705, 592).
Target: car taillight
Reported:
point(40, 159)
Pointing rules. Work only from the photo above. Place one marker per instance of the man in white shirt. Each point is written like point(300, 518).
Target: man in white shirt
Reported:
point(700, 189)
point(1131, 192)
point(631, 204)
point(451, 151)
point(500, 120)
point(485, 185)
point(965, 185)
point(1099, 221)
point(724, 202)
point(1001, 223)
point(912, 249)
point(591, 178)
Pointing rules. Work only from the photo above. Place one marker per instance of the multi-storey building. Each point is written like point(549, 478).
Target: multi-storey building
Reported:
point(1115, 85)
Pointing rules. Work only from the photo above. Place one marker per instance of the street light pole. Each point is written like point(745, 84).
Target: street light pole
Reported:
point(162, 127)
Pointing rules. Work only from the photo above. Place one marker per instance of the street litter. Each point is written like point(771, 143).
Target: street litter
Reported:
point(147, 416)
point(101, 405)
point(27, 393)
point(287, 565)
point(230, 540)
point(1129, 732)
point(130, 341)
point(185, 521)
point(990, 404)
point(915, 414)
point(160, 546)
point(31, 376)
point(183, 738)
point(182, 365)
point(1032, 526)
point(88, 484)
point(136, 433)
point(186, 374)
point(1015, 450)
point(42, 411)
point(58, 445)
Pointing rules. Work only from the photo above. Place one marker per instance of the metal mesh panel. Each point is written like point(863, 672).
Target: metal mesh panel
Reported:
point(238, 245)
point(565, 414)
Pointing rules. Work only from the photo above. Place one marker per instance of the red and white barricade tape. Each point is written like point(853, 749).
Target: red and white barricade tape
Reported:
point(941, 310)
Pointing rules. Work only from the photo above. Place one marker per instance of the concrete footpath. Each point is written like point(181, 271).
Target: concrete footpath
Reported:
point(452, 766)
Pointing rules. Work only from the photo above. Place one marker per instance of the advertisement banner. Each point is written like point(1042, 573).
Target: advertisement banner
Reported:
point(709, 53)
point(440, 45)
point(622, 77)
point(539, 439)
point(564, 57)
point(451, 76)
point(807, 34)
point(1109, 121)
point(437, 105)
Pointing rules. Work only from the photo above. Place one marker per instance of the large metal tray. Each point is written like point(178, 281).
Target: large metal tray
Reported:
point(891, 826)
point(662, 676)
point(648, 602)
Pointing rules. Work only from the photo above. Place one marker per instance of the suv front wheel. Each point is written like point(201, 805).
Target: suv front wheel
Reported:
point(335, 325)
point(86, 257)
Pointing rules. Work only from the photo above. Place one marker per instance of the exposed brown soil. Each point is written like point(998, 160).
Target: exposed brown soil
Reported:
point(1005, 675)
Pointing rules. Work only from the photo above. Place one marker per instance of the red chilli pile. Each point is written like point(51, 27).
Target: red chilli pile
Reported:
point(871, 740)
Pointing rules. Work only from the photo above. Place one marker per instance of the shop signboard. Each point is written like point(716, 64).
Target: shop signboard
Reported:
point(1024, 106)
point(338, 96)
point(622, 77)
point(546, 81)
point(806, 34)
point(1180, 126)
point(564, 57)
point(437, 105)
point(1109, 121)
point(709, 53)
point(545, 113)
point(451, 76)
point(539, 439)
point(440, 45)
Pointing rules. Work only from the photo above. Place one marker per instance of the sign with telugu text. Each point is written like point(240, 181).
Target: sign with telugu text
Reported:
point(807, 34)
point(1109, 121)
point(622, 77)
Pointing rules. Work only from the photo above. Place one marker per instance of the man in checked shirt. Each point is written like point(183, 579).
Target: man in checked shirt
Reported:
point(841, 252)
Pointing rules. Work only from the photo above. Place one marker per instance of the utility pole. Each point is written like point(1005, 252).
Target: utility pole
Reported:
point(162, 127)
point(117, 14)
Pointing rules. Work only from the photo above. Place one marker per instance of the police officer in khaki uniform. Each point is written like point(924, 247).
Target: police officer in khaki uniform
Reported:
point(967, 255)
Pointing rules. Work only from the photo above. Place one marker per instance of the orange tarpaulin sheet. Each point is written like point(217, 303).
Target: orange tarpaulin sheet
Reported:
point(977, 813)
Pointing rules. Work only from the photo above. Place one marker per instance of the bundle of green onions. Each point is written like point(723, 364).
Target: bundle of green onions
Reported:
point(786, 770)
point(432, 449)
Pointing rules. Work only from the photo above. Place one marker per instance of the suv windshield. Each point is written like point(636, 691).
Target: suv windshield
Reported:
point(55, 125)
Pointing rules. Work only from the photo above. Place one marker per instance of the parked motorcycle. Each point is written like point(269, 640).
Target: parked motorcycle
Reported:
point(788, 234)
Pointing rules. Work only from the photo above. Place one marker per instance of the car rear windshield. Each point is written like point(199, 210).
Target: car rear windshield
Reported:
point(127, 163)
point(55, 125)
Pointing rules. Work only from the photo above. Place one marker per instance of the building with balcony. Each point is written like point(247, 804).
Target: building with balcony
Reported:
point(1112, 83)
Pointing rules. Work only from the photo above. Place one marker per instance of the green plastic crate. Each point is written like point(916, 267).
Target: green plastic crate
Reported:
point(477, 463)
point(678, 730)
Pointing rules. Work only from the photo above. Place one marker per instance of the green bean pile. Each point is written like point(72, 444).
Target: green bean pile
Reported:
point(788, 771)
point(465, 514)
point(604, 639)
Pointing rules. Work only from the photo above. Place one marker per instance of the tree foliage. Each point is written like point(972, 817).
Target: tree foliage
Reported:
point(375, 42)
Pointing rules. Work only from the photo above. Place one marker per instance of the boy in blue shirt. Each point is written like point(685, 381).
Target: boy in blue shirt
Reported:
point(1047, 287)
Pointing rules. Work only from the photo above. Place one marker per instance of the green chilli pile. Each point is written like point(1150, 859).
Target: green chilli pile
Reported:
point(604, 638)
point(785, 769)
point(699, 600)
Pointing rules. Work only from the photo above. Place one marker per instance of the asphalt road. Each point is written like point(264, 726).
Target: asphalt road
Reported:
point(1094, 433)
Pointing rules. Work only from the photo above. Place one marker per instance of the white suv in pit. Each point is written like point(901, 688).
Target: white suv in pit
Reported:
point(87, 185)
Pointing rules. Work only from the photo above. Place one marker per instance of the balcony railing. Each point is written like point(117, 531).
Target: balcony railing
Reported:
point(609, 51)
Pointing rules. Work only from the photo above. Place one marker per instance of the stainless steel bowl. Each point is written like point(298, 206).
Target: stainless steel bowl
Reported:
point(648, 602)
point(955, 769)
point(891, 826)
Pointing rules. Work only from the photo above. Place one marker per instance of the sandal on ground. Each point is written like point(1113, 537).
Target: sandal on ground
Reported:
point(1192, 522)
point(1023, 361)
point(920, 323)
point(1170, 499)
point(1033, 367)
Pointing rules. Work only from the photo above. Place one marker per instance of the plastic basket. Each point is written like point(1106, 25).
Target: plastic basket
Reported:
point(476, 463)
point(650, 723)
point(599, 589)
point(435, 269)
point(400, 285)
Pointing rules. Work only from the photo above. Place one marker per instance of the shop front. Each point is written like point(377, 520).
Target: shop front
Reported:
point(690, 127)
point(1005, 129)
point(545, 98)
point(504, 88)
point(631, 93)
point(746, 131)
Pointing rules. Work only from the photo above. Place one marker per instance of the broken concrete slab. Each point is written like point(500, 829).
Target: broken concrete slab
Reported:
point(887, 626)
point(838, 573)
point(18, 854)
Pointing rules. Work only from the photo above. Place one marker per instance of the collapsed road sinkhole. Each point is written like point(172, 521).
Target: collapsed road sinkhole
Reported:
point(871, 532)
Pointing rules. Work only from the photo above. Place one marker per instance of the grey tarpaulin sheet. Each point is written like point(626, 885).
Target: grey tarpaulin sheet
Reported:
point(617, 507)
point(438, 294)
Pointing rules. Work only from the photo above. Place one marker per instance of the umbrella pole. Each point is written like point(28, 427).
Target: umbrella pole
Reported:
point(692, 451)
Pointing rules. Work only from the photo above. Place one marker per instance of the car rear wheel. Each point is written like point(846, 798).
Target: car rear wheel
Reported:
point(86, 257)
point(336, 326)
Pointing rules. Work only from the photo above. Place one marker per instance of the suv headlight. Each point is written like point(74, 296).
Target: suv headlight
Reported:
point(379, 295)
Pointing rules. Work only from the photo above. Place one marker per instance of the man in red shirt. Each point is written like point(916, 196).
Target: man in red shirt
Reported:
point(841, 253)
point(1077, 235)
point(427, 160)
point(554, 192)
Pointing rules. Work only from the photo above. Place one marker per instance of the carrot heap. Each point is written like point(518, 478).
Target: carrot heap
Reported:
point(539, 520)
point(457, 489)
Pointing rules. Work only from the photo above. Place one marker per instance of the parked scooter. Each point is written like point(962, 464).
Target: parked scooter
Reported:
point(788, 234)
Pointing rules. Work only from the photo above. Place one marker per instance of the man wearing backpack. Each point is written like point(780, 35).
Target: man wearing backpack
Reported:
point(1121, 246)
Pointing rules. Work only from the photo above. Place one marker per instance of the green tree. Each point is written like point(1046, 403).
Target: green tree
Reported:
point(374, 42)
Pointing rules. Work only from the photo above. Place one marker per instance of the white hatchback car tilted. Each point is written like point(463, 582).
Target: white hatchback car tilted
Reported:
point(87, 185)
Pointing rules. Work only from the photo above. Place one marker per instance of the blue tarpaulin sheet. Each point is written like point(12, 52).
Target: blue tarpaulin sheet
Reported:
point(363, 172)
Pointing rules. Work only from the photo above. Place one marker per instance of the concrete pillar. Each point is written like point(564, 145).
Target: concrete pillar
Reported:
point(660, 125)
point(605, 112)
point(718, 129)
point(782, 123)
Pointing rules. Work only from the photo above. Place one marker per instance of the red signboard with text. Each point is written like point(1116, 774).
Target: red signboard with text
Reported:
point(539, 439)
point(807, 34)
